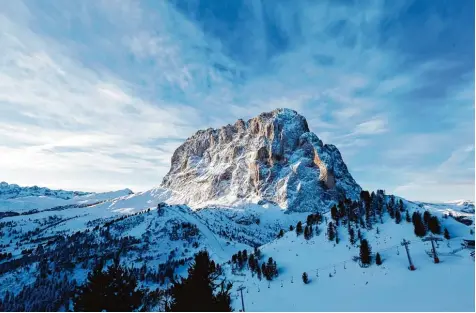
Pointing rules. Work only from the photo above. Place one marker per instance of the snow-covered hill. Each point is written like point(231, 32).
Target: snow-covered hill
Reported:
point(339, 283)
point(11, 191)
point(16, 199)
point(235, 189)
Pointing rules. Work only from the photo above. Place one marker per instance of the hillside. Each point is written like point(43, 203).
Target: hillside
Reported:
point(343, 285)
point(241, 187)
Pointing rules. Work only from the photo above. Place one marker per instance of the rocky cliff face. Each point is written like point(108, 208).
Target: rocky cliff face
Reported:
point(272, 157)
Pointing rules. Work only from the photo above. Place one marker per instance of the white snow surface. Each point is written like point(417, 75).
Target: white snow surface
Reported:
point(447, 286)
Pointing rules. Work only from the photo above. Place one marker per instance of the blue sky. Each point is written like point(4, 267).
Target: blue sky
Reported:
point(96, 95)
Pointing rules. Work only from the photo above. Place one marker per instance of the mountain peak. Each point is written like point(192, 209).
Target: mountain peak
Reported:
point(272, 156)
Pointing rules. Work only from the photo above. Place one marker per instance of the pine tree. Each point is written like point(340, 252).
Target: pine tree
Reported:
point(401, 208)
point(299, 228)
point(330, 231)
point(419, 226)
point(446, 234)
point(281, 233)
point(391, 207)
point(426, 218)
point(305, 278)
point(365, 252)
point(378, 259)
point(251, 263)
point(112, 290)
point(257, 253)
point(434, 225)
point(306, 233)
point(407, 217)
point(351, 235)
point(200, 291)
point(291, 227)
point(398, 217)
point(334, 213)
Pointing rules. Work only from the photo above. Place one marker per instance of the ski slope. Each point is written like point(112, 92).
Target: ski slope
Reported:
point(337, 283)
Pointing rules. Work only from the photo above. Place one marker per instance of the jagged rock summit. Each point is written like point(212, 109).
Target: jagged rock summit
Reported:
point(272, 157)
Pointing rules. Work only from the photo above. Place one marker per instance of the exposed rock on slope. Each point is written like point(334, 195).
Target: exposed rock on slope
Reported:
point(273, 157)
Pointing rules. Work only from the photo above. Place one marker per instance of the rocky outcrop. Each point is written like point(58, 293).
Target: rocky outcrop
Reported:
point(271, 157)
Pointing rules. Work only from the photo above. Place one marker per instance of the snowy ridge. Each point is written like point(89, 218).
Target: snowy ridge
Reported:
point(14, 198)
point(11, 191)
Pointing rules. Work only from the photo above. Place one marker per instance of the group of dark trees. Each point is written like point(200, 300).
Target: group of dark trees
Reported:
point(203, 290)
point(241, 259)
point(5, 255)
point(427, 223)
point(117, 289)
point(112, 290)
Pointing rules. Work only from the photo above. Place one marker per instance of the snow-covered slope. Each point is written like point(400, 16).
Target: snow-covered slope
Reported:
point(338, 283)
point(273, 157)
point(16, 199)
point(11, 191)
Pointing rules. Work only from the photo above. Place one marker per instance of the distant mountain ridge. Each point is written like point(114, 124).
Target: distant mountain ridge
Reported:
point(12, 191)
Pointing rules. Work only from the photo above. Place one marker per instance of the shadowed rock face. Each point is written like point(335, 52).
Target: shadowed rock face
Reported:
point(273, 156)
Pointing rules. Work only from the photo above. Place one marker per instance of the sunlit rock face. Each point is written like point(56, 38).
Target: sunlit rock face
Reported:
point(271, 157)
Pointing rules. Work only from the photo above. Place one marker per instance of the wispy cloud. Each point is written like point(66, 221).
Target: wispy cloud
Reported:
point(98, 94)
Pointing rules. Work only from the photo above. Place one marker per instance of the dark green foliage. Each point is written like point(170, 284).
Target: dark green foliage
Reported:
point(365, 252)
point(270, 269)
point(291, 227)
point(334, 213)
point(351, 235)
point(312, 219)
point(434, 225)
point(378, 259)
point(407, 217)
point(305, 278)
point(398, 216)
point(331, 231)
point(446, 234)
point(426, 218)
point(112, 290)
point(200, 290)
point(419, 226)
point(401, 207)
point(391, 207)
point(299, 228)
point(308, 232)
point(281, 233)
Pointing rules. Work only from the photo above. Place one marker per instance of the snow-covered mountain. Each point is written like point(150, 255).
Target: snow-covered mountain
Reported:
point(11, 191)
point(17, 200)
point(271, 157)
point(234, 189)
